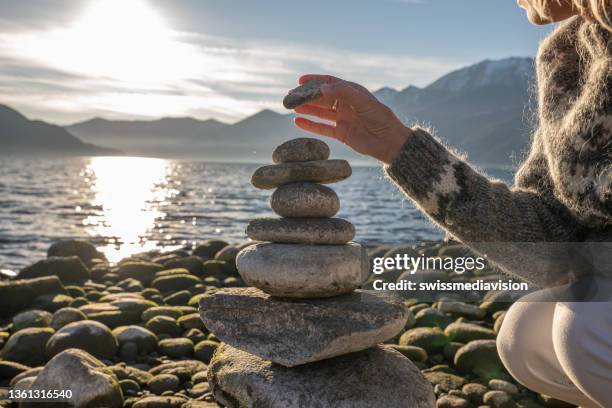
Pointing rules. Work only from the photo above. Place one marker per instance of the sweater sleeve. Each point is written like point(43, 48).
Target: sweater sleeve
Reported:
point(516, 229)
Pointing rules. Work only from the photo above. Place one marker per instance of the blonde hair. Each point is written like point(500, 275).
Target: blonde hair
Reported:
point(598, 10)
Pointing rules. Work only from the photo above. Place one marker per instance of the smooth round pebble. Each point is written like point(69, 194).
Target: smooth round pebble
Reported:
point(498, 399)
point(301, 150)
point(176, 348)
point(31, 318)
point(88, 335)
point(145, 340)
point(327, 231)
point(501, 385)
point(164, 325)
point(163, 382)
point(204, 350)
point(318, 171)
point(300, 200)
point(65, 316)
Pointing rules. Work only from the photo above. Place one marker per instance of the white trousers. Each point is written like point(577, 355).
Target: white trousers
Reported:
point(561, 349)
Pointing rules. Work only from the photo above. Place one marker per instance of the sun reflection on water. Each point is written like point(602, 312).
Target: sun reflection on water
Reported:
point(129, 193)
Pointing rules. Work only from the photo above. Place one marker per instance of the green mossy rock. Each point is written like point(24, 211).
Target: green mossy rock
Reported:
point(52, 303)
point(142, 271)
point(17, 295)
point(445, 381)
point(191, 321)
point(466, 332)
point(430, 317)
point(176, 348)
point(31, 318)
point(204, 350)
point(192, 263)
point(164, 325)
point(479, 357)
point(414, 353)
point(175, 283)
point(170, 311)
point(432, 339)
point(145, 340)
point(68, 269)
point(90, 336)
point(28, 346)
point(85, 251)
point(208, 249)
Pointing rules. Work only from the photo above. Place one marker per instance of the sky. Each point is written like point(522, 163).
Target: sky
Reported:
point(65, 61)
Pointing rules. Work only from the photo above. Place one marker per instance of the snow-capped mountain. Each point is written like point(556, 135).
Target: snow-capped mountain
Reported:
point(482, 109)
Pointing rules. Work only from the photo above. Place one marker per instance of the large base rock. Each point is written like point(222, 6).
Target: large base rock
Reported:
point(303, 271)
point(377, 377)
point(294, 332)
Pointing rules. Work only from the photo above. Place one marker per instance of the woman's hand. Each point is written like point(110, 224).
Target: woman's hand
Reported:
point(359, 119)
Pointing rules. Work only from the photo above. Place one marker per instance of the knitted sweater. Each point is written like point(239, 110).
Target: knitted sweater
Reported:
point(562, 192)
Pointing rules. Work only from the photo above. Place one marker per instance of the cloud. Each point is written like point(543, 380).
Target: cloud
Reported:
point(81, 70)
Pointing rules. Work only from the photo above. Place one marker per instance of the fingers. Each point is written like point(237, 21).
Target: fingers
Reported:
point(316, 127)
point(317, 111)
point(312, 77)
point(346, 94)
point(339, 132)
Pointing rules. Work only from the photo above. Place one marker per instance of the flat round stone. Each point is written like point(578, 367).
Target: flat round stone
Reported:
point(293, 332)
point(318, 171)
point(301, 150)
point(376, 377)
point(305, 200)
point(303, 271)
point(328, 231)
point(303, 94)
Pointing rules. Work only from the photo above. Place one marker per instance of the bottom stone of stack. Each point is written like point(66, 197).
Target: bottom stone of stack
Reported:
point(292, 332)
point(376, 377)
point(303, 271)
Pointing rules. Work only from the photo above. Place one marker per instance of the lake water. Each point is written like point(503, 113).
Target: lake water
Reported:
point(125, 205)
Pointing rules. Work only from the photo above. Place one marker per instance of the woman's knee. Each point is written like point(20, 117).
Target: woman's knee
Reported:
point(515, 343)
point(524, 342)
point(582, 338)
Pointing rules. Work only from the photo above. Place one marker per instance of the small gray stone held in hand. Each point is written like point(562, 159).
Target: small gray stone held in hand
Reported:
point(299, 200)
point(304, 93)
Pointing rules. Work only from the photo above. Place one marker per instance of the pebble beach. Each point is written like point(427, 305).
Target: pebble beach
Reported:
point(290, 318)
point(135, 326)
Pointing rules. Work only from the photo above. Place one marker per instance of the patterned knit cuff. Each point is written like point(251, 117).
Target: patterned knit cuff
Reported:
point(421, 157)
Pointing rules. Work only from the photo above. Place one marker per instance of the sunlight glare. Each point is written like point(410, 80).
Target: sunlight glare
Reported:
point(125, 40)
point(130, 192)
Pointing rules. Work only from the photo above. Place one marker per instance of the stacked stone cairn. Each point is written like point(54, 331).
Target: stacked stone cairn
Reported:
point(303, 334)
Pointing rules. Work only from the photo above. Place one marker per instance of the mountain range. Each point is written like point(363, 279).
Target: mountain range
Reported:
point(482, 110)
point(19, 135)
